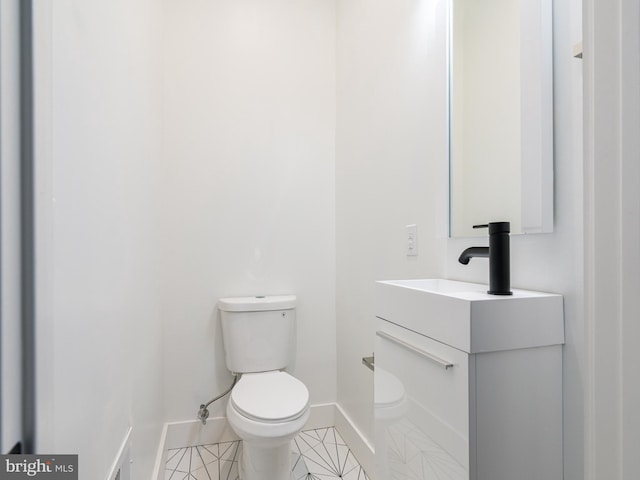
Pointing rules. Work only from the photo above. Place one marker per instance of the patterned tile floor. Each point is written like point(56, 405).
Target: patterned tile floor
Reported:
point(409, 453)
point(319, 454)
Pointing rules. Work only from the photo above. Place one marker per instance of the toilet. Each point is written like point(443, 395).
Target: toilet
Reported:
point(267, 407)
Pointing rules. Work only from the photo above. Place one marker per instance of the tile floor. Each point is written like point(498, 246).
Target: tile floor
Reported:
point(319, 454)
point(409, 453)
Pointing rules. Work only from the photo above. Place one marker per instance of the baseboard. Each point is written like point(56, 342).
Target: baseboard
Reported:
point(191, 433)
point(361, 448)
point(323, 415)
point(121, 467)
point(161, 456)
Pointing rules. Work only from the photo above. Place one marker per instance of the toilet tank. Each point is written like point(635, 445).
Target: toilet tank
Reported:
point(258, 332)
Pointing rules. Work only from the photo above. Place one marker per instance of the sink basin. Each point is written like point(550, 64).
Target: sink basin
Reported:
point(439, 285)
point(463, 315)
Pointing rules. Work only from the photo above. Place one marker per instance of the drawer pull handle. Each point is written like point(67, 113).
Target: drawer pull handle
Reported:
point(423, 353)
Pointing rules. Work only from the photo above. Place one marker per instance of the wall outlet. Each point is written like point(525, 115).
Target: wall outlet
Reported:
point(412, 239)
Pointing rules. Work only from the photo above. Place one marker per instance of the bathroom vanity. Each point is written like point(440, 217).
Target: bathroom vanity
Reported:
point(467, 385)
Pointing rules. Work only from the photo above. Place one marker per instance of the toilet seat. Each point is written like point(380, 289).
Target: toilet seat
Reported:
point(270, 397)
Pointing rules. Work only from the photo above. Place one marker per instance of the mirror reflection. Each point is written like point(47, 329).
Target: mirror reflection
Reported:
point(500, 115)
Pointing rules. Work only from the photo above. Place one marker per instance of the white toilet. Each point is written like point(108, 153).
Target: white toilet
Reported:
point(267, 407)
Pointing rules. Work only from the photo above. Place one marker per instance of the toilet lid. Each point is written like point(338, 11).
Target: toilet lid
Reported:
point(270, 396)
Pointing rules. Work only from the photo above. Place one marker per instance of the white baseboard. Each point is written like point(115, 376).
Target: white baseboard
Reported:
point(121, 467)
point(322, 415)
point(191, 433)
point(161, 456)
point(361, 448)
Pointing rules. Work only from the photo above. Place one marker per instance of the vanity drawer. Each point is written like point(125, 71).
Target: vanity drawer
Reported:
point(435, 378)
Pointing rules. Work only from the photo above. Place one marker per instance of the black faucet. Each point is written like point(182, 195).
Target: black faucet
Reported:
point(498, 253)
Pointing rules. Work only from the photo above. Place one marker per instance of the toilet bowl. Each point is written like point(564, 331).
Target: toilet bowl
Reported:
point(267, 407)
point(267, 410)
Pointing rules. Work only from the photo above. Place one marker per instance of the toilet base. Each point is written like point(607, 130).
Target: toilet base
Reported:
point(260, 463)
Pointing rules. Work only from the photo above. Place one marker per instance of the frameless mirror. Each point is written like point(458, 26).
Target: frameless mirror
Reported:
point(500, 115)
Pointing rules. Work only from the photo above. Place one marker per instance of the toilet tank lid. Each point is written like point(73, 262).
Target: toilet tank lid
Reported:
point(257, 303)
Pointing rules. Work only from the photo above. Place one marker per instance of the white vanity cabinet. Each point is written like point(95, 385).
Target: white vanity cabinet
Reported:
point(452, 410)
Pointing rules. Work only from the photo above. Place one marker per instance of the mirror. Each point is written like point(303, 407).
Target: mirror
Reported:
point(500, 115)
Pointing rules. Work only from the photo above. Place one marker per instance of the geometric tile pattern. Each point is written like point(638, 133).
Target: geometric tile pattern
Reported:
point(412, 454)
point(203, 462)
point(319, 454)
point(325, 456)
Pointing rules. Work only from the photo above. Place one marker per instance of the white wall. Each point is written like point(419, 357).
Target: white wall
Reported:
point(100, 332)
point(390, 167)
point(612, 237)
point(162, 190)
point(391, 170)
point(248, 170)
point(242, 199)
point(554, 262)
